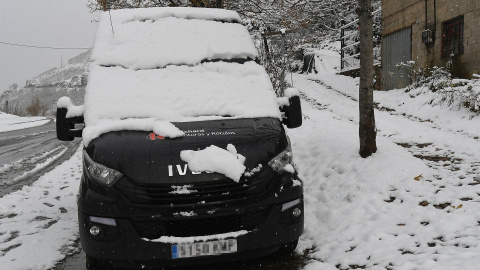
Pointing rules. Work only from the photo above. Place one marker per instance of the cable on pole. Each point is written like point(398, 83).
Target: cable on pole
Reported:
point(43, 47)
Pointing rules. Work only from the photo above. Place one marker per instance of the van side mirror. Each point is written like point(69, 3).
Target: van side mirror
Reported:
point(67, 116)
point(293, 113)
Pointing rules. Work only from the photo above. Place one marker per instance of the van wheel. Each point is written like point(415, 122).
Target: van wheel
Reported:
point(288, 248)
point(97, 264)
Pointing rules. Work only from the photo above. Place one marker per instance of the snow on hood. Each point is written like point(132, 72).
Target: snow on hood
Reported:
point(157, 37)
point(215, 159)
point(101, 126)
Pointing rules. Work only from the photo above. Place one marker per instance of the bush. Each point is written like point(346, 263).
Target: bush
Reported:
point(435, 78)
point(36, 107)
point(461, 93)
point(453, 93)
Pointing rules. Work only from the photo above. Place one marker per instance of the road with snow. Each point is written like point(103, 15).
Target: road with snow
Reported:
point(25, 154)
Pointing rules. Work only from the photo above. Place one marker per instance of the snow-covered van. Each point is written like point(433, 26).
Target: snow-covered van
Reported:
point(185, 157)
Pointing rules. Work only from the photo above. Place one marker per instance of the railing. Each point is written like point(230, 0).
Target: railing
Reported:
point(349, 41)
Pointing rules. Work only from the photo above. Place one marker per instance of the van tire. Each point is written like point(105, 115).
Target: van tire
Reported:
point(97, 264)
point(287, 248)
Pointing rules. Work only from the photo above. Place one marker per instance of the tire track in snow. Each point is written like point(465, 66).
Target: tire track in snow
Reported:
point(27, 154)
point(420, 154)
point(393, 112)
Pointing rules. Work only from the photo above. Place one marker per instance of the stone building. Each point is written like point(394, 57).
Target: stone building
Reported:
point(430, 32)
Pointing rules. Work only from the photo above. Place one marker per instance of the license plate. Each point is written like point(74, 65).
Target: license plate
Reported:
point(218, 247)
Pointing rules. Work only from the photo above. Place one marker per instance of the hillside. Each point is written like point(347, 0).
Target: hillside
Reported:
point(69, 80)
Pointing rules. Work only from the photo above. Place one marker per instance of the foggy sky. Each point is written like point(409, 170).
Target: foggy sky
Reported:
point(50, 23)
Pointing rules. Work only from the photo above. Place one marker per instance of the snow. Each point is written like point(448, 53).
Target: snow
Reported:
point(289, 168)
point(72, 110)
point(291, 92)
point(39, 166)
point(179, 240)
point(216, 159)
point(144, 14)
point(185, 214)
point(38, 224)
point(157, 37)
point(9, 122)
point(101, 126)
point(117, 98)
point(399, 208)
point(185, 189)
point(327, 61)
point(255, 170)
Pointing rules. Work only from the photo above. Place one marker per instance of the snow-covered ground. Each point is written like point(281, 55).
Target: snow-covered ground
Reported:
point(9, 122)
point(38, 224)
point(412, 205)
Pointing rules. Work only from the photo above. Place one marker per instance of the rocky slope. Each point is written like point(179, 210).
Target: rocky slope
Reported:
point(69, 80)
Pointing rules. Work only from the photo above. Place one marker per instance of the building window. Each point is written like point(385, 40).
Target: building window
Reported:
point(452, 37)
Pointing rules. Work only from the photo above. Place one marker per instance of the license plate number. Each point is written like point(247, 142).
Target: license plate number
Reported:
point(188, 250)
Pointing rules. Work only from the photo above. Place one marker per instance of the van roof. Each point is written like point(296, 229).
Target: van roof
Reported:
point(150, 38)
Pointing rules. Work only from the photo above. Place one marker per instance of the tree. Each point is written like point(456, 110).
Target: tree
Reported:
point(367, 130)
point(13, 86)
point(36, 107)
point(104, 5)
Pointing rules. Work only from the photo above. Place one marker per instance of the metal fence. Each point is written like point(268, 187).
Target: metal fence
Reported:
point(350, 40)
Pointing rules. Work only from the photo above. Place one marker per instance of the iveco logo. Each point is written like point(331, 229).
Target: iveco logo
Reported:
point(179, 169)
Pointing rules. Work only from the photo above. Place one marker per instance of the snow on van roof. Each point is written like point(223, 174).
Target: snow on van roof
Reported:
point(115, 96)
point(156, 37)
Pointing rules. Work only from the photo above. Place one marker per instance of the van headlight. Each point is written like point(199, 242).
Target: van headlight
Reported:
point(100, 173)
point(279, 162)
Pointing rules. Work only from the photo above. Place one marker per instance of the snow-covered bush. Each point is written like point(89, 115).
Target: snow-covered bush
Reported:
point(435, 78)
point(453, 93)
point(414, 72)
point(461, 93)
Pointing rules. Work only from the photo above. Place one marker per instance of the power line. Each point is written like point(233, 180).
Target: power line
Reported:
point(42, 47)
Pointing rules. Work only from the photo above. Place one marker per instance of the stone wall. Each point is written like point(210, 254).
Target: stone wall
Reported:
point(399, 14)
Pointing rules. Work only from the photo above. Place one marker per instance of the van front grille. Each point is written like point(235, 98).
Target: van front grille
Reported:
point(153, 228)
point(210, 191)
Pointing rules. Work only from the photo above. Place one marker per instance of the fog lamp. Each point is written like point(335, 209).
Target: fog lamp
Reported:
point(95, 230)
point(296, 212)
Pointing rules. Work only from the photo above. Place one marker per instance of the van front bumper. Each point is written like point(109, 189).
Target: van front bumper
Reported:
point(125, 244)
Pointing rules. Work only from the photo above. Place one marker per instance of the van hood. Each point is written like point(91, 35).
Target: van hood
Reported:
point(147, 158)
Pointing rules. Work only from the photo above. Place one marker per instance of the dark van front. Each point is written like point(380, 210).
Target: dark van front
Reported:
point(140, 205)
